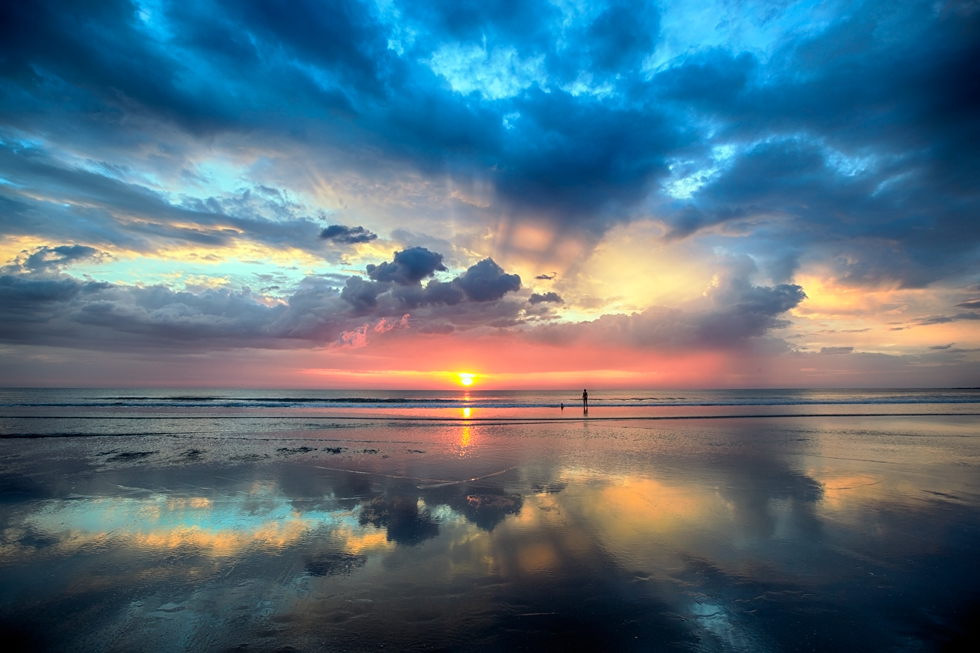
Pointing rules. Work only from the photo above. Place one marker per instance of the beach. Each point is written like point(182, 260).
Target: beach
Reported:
point(241, 520)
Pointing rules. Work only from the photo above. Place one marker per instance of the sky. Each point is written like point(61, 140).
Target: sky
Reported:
point(544, 194)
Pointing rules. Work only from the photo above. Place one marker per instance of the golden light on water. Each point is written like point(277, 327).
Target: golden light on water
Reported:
point(466, 412)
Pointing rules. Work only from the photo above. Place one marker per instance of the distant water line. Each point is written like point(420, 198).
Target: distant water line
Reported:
point(332, 399)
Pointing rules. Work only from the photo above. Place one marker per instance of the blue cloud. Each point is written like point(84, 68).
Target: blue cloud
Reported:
point(849, 141)
point(409, 267)
point(339, 233)
point(486, 281)
point(552, 297)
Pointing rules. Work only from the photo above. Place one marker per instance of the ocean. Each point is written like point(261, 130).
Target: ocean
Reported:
point(708, 520)
point(638, 400)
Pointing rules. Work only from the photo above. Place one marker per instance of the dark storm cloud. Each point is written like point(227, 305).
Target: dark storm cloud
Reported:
point(520, 21)
point(553, 297)
point(487, 281)
point(869, 230)
point(64, 311)
point(488, 508)
point(707, 80)
point(45, 259)
point(434, 293)
point(396, 286)
point(401, 517)
point(858, 142)
point(102, 54)
point(69, 311)
point(329, 68)
point(44, 306)
point(748, 311)
point(86, 205)
point(361, 294)
point(409, 267)
point(583, 161)
point(343, 37)
point(438, 292)
point(29, 304)
point(739, 312)
point(622, 35)
point(852, 143)
point(339, 233)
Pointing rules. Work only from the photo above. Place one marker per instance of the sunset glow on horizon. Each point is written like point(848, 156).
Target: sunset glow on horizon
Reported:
point(612, 194)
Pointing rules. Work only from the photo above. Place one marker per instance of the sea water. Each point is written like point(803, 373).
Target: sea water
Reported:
point(763, 520)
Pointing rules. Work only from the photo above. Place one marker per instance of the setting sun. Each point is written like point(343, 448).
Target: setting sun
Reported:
point(466, 379)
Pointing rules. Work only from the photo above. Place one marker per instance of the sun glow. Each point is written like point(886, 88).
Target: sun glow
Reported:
point(465, 378)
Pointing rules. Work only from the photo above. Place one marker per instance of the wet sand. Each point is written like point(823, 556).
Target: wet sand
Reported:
point(743, 533)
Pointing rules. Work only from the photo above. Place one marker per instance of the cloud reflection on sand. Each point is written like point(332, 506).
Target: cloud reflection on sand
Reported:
point(260, 519)
point(713, 536)
point(639, 520)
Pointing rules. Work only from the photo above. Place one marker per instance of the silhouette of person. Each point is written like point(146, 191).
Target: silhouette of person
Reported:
point(563, 405)
point(585, 400)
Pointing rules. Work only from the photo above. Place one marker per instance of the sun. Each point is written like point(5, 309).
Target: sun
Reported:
point(466, 378)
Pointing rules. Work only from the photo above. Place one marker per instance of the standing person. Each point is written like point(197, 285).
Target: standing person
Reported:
point(585, 400)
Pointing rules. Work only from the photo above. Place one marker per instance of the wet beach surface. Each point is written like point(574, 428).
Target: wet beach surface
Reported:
point(213, 532)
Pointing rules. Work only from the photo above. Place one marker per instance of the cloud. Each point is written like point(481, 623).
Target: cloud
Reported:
point(486, 281)
point(339, 233)
point(361, 294)
point(738, 313)
point(409, 267)
point(400, 516)
point(946, 319)
point(553, 297)
point(836, 350)
point(488, 508)
point(44, 306)
point(396, 286)
point(840, 142)
point(54, 259)
point(358, 337)
point(355, 94)
point(46, 198)
point(622, 36)
point(814, 153)
point(437, 292)
point(441, 329)
point(838, 131)
point(68, 312)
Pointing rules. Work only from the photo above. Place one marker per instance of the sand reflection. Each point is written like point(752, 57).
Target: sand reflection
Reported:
point(639, 521)
point(261, 519)
point(718, 537)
